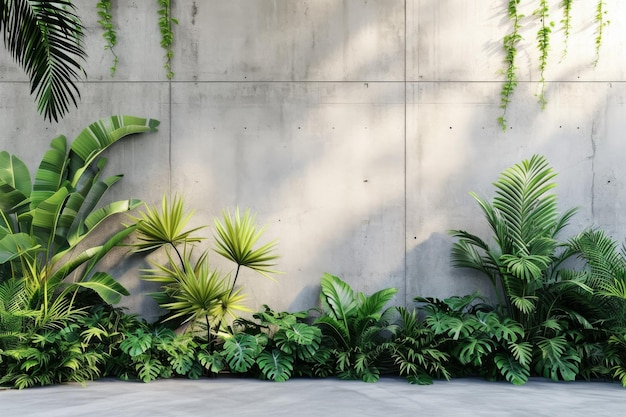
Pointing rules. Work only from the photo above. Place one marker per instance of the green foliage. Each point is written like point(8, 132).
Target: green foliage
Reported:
point(601, 23)
point(44, 222)
point(543, 44)
point(512, 40)
point(415, 351)
point(525, 221)
point(566, 23)
point(276, 346)
point(167, 34)
point(46, 40)
point(109, 34)
point(510, 43)
point(480, 340)
point(356, 328)
point(192, 290)
point(157, 352)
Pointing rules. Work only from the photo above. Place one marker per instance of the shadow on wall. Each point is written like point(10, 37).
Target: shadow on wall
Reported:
point(430, 273)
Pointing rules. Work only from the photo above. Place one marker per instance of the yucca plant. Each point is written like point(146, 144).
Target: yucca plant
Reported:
point(356, 327)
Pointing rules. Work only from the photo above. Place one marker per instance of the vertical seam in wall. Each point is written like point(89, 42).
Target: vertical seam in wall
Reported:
point(169, 133)
point(405, 157)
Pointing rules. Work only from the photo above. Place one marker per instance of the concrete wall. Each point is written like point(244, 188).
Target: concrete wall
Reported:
point(354, 128)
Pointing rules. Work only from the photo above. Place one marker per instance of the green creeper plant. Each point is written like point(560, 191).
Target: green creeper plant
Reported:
point(543, 44)
point(109, 34)
point(601, 23)
point(166, 21)
point(566, 24)
point(510, 43)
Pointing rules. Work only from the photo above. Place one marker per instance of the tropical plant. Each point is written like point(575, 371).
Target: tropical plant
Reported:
point(356, 327)
point(479, 339)
point(157, 352)
point(46, 39)
point(525, 222)
point(554, 306)
point(193, 291)
point(288, 346)
point(43, 222)
point(416, 351)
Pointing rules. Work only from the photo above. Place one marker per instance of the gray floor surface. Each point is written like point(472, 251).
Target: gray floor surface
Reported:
point(322, 397)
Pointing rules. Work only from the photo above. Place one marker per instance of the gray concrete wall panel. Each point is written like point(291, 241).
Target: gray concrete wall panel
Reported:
point(353, 128)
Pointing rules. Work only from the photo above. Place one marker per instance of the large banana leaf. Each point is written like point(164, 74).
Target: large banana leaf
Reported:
point(51, 172)
point(339, 297)
point(12, 246)
point(98, 136)
point(105, 286)
point(15, 185)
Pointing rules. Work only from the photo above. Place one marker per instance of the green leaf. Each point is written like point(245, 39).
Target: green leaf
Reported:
point(106, 287)
point(339, 297)
point(241, 351)
point(275, 365)
point(98, 136)
point(511, 369)
point(235, 239)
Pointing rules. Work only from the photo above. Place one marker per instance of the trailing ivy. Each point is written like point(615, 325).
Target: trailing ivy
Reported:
point(543, 44)
point(566, 24)
point(167, 34)
point(109, 35)
point(600, 24)
point(513, 38)
point(510, 46)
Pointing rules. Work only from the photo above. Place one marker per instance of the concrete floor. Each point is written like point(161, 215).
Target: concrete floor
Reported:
point(325, 397)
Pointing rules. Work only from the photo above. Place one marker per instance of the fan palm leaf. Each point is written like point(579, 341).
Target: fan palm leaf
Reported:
point(235, 239)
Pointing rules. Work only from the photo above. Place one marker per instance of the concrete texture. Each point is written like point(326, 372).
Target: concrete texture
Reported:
point(314, 398)
point(354, 128)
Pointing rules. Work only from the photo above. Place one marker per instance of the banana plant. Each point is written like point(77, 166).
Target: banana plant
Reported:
point(43, 221)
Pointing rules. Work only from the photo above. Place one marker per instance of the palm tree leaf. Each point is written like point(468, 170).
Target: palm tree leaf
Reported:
point(339, 297)
point(46, 39)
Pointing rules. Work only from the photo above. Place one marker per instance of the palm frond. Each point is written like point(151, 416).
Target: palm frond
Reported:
point(46, 40)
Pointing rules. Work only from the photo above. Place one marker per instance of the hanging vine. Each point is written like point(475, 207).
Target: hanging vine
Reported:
point(510, 47)
point(109, 35)
point(166, 21)
point(543, 44)
point(511, 41)
point(566, 24)
point(600, 25)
